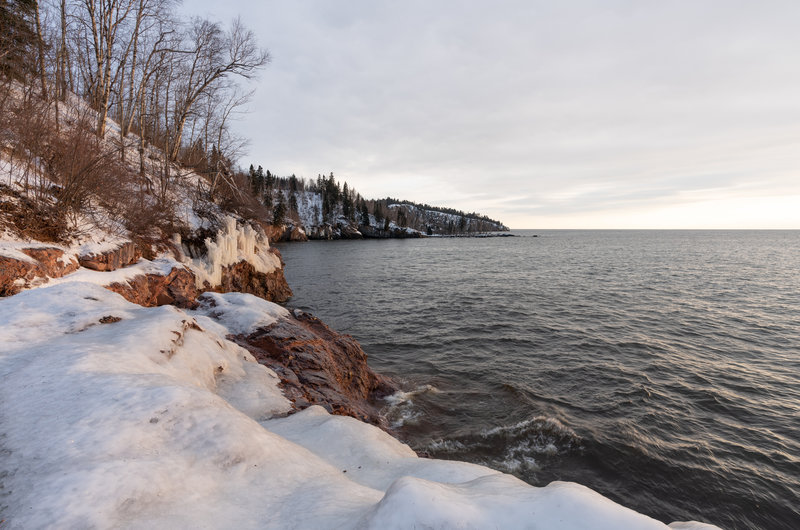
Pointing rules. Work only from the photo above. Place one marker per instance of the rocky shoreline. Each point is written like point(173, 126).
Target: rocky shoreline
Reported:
point(316, 365)
point(293, 233)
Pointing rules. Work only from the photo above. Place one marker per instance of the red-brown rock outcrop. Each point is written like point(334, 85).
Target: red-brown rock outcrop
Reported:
point(16, 274)
point(318, 366)
point(149, 290)
point(126, 254)
point(51, 261)
point(242, 277)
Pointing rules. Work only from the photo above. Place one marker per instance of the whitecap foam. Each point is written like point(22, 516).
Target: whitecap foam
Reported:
point(400, 408)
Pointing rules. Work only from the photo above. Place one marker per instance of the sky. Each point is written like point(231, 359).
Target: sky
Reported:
point(542, 114)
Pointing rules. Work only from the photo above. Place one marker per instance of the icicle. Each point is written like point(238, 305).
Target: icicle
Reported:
point(231, 245)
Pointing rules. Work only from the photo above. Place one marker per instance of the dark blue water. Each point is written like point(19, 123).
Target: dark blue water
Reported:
point(660, 368)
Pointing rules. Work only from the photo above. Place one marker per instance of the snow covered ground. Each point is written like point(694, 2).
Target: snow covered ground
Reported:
point(115, 415)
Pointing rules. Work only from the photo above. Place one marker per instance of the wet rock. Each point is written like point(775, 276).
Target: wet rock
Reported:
point(319, 366)
point(297, 234)
point(122, 256)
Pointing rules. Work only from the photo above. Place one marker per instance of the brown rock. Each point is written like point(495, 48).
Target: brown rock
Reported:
point(149, 290)
point(126, 254)
point(277, 233)
point(243, 278)
point(51, 261)
point(296, 233)
point(318, 366)
point(15, 274)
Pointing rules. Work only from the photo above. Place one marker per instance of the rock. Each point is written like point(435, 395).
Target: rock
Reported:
point(16, 274)
point(324, 231)
point(149, 290)
point(370, 232)
point(297, 234)
point(126, 254)
point(350, 232)
point(51, 261)
point(242, 277)
point(319, 366)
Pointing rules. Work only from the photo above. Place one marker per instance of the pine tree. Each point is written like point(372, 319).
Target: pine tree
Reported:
point(279, 213)
point(364, 213)
point(17, 38)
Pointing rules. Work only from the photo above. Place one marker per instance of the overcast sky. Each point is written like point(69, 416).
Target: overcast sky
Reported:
point(543, 114)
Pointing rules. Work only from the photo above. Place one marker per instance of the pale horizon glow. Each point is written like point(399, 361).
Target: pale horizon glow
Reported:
point(621, 114)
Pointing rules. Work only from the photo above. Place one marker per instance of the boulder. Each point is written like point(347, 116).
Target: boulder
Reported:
point(149, 290)
point(319, 366)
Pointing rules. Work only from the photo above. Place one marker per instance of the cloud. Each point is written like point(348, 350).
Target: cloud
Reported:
point(532, 111)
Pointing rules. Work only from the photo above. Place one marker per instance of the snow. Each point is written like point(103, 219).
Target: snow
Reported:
point(157, 421)
point(240, 313)
point(161, 266)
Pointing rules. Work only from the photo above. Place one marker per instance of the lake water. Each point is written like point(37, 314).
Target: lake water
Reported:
point(660, 368)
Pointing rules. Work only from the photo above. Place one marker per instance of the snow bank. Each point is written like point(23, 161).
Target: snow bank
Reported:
point(160, 266)
point(231, 245)
point(115, 415)
point(239, 313)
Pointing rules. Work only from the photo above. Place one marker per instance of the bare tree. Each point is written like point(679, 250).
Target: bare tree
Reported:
point(214, 55)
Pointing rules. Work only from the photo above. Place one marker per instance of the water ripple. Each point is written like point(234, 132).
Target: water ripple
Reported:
point(660, 368)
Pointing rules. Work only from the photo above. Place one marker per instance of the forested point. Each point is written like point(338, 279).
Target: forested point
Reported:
point(113, 111)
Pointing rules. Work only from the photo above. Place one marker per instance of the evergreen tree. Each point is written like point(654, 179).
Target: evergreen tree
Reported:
point(364, 213)
point(17, 38)
point(279, 213)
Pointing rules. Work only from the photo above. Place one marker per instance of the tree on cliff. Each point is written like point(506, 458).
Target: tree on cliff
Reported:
point(279, 213)
point(364, 213)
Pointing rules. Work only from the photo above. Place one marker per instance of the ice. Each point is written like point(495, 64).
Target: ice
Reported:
point(231, 245)
point(154, 420)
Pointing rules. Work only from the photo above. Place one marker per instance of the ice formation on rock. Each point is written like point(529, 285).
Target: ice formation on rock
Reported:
point(233, 243)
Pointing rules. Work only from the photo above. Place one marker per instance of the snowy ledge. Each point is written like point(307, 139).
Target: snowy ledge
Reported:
point(115, 415)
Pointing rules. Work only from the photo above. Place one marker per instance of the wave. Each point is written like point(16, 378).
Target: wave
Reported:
point(400, 409)
point(511, 448)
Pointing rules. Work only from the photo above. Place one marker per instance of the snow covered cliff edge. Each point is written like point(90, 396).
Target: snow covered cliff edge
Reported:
point(117, 415)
